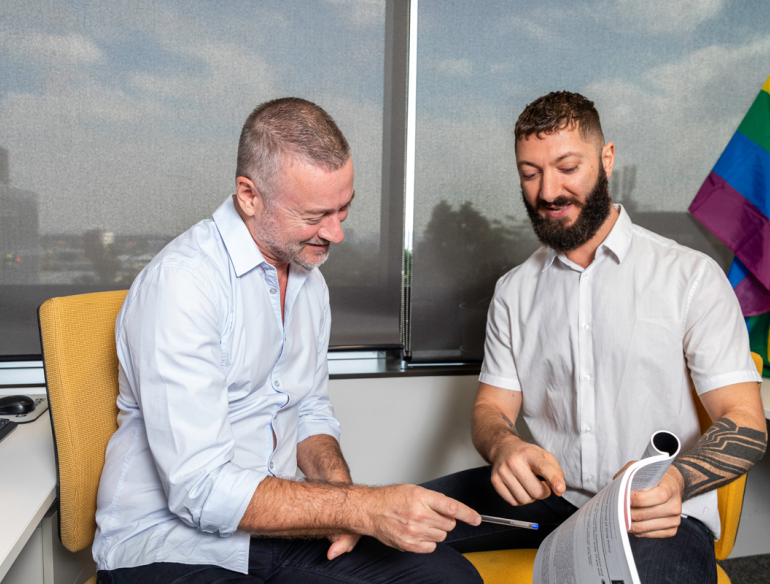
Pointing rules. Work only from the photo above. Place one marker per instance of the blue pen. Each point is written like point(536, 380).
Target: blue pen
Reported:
point(511, 522)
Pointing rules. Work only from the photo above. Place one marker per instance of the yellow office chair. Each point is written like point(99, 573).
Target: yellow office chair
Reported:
point(81, 369)
point(516, 566)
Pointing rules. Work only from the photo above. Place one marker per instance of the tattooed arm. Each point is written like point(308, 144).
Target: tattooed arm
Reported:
point(516, 465)
point(724, 453)
point(728, 449)
point(731, 446)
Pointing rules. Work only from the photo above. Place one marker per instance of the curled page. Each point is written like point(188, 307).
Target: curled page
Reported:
point(663, 448)
point(592, 546)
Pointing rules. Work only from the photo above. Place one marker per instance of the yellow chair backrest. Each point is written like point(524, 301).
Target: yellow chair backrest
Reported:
point(81, 369)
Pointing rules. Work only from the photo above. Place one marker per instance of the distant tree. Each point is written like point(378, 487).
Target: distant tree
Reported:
point(464, 250)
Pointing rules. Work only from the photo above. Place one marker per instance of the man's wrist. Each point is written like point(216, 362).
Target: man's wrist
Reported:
point(356, 507)
point(678, 479)
point(504, 442)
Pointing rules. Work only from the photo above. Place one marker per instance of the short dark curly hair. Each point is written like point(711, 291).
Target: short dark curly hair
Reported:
point(559, 110)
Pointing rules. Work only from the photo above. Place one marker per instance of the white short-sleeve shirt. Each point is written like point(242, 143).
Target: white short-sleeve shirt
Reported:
point(603, 356)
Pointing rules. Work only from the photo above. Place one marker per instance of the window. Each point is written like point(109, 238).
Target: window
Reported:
point(671, 83)
point(119, 131)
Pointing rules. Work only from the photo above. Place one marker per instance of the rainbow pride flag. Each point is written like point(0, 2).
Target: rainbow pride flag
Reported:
point(734, 204)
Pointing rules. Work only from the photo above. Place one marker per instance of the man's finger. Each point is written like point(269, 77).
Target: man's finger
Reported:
point(657, 534)
point(652, 498)
point(536, 487)
point(448, 507)
point(553, 474)
point(513, 485)
point(342, 544)
point(658, 524)
point(503, 490)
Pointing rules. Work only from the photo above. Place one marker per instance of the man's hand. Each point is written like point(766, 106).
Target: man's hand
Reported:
point(413, 519)
point(341, 544)
point(657, 512)
point(516, 468)
point(521, 472)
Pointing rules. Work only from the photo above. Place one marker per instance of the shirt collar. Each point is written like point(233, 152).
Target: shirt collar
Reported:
point(618, 241)
point(241, 247)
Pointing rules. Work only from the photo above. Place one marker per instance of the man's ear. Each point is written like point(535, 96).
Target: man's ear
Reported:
point(248, 197)
point(608, 158)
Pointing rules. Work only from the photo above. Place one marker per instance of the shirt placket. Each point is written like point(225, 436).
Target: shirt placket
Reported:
point(587, 382)
point(276, 383)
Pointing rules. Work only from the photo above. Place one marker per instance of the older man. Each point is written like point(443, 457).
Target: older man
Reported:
point(222, 344)
point(595, 339)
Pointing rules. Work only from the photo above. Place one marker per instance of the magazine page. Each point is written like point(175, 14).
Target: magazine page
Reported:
point(592, 546)
point(660, 453)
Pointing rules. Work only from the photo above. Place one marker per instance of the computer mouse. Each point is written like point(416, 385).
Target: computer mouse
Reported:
point(16, 404)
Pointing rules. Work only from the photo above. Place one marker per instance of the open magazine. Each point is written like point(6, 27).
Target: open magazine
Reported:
point(592, 546)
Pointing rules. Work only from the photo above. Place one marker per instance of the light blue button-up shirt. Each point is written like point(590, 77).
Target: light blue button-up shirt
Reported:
point(208, 371)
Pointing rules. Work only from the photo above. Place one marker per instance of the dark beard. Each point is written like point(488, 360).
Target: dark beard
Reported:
point(593, 213)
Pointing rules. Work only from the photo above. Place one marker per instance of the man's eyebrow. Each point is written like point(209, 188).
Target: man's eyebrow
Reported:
point(320, 211)
point(568, 154)
point(557, 161)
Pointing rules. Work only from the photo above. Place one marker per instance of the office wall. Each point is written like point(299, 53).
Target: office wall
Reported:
point(415, 429)
point(409, 429)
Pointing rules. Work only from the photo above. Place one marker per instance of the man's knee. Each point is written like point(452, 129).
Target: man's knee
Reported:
point(686, 558)
point(446, 565)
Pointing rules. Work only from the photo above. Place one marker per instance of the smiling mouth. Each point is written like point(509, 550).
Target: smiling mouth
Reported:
point(558, 211)
point(317, 246)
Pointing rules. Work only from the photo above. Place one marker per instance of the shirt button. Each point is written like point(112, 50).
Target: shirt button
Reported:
point(586, 276)
point(587, 429)
point(273, 290)
point(589, 478)
point(277, 383)
point(272, 465)
point(586, 378)
point(586, 326)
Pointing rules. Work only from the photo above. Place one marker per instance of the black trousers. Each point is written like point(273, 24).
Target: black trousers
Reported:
point(686, 558)
point(287, 561)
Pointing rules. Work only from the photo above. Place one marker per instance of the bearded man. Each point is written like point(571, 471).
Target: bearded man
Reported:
point(595, 339)
point(222, 344)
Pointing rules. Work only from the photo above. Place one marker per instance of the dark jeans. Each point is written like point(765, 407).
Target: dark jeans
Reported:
point(686, 558)
point(287, 561)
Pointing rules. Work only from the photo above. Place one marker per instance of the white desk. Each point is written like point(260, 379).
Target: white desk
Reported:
point(27, 484)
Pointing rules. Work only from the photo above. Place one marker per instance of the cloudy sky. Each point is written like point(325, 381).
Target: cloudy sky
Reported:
point(124, 115)
point(671, 80)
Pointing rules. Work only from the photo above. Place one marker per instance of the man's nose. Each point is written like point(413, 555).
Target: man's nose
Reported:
point(331, 229)
point(550, 187)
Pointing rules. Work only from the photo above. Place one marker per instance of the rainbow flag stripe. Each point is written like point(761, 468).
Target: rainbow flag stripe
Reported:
point(734, 204)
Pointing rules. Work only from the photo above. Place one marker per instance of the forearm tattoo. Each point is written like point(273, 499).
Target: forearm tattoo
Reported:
point(724, 453)
point(511, 425)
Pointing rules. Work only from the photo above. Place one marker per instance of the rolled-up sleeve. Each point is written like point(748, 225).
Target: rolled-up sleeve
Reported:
point(716, 342)
point(316, 414)
point(181, 388)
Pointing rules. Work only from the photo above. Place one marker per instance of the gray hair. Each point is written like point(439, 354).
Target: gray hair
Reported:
point(284, 130)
